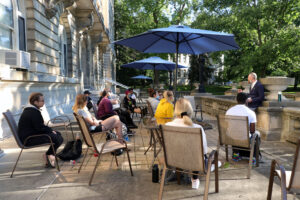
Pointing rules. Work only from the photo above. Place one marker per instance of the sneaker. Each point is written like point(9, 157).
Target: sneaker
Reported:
point(236, 157)
point(195, 183)
point(213, 166)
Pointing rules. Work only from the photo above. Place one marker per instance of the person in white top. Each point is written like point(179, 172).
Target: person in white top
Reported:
point(242, 110)
point(183, 113)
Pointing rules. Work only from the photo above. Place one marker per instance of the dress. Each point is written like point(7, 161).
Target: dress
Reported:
point(32, 123)
point(165, 109)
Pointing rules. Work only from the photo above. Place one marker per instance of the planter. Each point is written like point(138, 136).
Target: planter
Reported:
point(276, 84)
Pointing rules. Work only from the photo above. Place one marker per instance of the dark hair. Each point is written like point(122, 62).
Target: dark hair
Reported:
point(86, 92)
point(104, 93)
point(34, 97)
point(241, 98)
point(152, 92)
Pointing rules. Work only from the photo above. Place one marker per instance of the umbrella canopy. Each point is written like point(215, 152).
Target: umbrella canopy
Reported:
point(153, 63)
point(141, 77)
point(180, 39)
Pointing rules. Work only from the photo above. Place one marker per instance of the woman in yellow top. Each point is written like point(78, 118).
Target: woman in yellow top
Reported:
point(165, 109)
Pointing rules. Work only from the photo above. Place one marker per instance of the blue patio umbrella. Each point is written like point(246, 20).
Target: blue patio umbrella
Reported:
point(141, 77)
point(153, 63)
point(180, 39)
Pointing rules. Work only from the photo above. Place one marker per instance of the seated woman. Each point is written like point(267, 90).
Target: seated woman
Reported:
point(95, 125)
point(130, 103)
point(32, 123)
point(153, 99)
point(105, 110)
point(165, 109)
point(183, 113)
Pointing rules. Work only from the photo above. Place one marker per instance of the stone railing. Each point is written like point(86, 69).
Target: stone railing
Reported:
point(291, 124)
point(275, 122)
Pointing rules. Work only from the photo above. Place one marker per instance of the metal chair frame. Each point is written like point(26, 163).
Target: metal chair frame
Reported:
point(13, 127)
point(250, 144)
point(281, 174)
point(89, 140)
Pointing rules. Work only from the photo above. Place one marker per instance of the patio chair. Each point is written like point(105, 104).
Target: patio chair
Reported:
point(14, 129)
point(183, 150)
point(234, 131)
point(64, 121)
point(95, 110)
point(289, 180)
point(196, 108)
point(110, 146)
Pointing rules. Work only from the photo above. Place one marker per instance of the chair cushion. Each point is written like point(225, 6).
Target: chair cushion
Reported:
point(287, 176)
point(110, 146)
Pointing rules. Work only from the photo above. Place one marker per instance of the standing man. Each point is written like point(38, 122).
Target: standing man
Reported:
point(256, 92)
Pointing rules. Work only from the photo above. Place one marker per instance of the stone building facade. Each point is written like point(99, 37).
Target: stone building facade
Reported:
point(57, 47)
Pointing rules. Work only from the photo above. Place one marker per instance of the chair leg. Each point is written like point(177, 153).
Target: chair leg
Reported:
point(226, 151)
point(116, 160)
point(16, 164)
point(71, 127)
point(96, 165)
point(129, 162)
point(216, 172)
point(271, 180)
point(162, 183)
point(257, 152)
point(207, 179)
point(83, 159)
point(251, 158)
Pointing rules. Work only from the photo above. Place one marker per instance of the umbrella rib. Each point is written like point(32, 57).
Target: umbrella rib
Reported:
point(160, 37)
point(211, 39)
point(187, 41)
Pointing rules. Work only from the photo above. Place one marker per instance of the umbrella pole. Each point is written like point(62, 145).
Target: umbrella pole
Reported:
point(176, 66)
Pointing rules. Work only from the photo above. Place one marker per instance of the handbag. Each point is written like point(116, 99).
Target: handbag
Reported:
point(71, 151)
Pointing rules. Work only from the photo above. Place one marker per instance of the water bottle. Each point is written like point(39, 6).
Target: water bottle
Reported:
point(155, 175)
point(72, 162)
point(279, 96)
point(126, 138)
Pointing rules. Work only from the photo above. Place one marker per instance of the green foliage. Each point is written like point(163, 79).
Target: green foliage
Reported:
point(266, 31)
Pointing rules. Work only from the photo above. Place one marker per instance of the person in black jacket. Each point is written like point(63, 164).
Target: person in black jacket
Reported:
point(32, 123)
point(256, 92)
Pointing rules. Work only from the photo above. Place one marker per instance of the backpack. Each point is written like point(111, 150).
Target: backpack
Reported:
point(71, 151)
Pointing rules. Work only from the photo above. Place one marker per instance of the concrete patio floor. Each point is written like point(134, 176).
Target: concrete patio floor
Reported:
point(32, 181)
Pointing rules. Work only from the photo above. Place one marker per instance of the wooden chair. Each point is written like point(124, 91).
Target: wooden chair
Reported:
point(183, 149)
point(234, 131)
point(150, 109)
point(14, 129)
point(196, 108)
point(289, 180)
point(107, 147)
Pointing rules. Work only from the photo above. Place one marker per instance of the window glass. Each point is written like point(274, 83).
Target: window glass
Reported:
point(5, 38)
point(6, 11)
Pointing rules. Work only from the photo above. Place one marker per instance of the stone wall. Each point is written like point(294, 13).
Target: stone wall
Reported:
point(275, 122)
point(59, 98)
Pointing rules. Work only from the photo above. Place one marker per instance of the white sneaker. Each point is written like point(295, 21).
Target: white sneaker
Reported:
point(195, 183)
point(213, 166)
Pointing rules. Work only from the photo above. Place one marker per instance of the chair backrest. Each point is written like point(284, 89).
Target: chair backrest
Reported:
point(183, 147)
point(191, 99)
point(85, 131)
point(295, 176)
point(233, 130)
point(150, 110)
point(13, 127)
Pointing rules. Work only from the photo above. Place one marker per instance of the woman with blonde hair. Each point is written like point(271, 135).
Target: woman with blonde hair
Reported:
point(183, 113)
point(95, 125)
point(165, 109)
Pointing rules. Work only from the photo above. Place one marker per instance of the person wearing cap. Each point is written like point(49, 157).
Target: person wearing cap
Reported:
point(90, 101)
point(129, 103)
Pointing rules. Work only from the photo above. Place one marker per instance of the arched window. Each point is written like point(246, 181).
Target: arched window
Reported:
point(6, 24)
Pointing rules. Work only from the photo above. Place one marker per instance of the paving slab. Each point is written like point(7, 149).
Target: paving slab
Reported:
point(32, 181)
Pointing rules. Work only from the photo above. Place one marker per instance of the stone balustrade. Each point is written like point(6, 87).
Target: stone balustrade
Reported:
point(275, 120)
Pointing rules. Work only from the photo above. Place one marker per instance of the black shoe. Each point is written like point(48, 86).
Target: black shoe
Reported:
point(130, 133)
point(133, 126)
point(117, 152)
